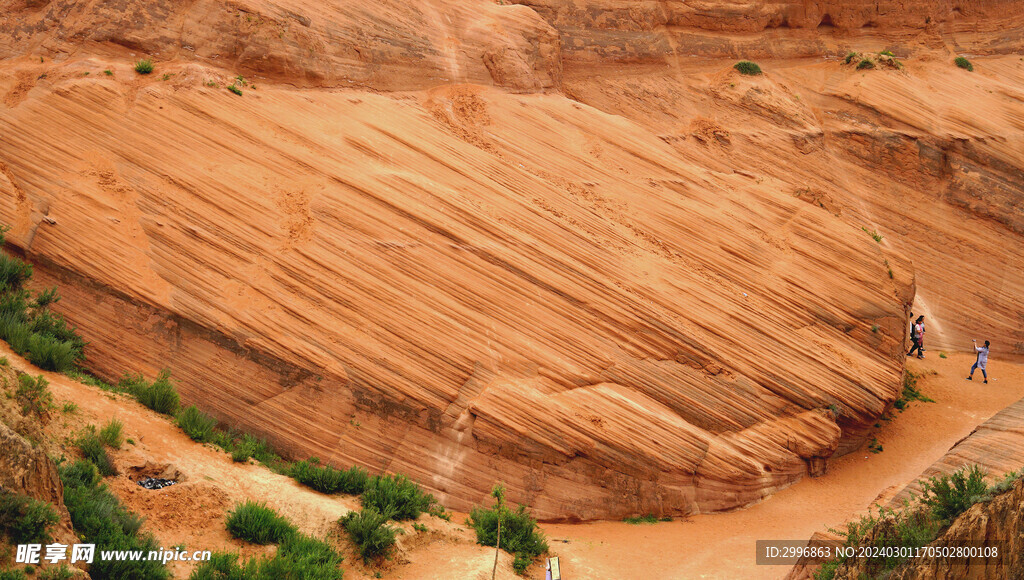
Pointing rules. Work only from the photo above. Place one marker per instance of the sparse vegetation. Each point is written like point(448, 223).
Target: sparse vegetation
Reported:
point(910, 392)
point(370, 532)
point(144, 67)
point(874, 235)
point(326, 479)
point(255, 522)
point(298, 556)
point(160, 395)
point(69, 408)
point(874, 328)
point(25, 520)
point(945, 497)
point(93, 450)
point(62, 573)
point(396, 496)
point(865, 64)
point(647, 519)
point(745, 67)
point(942, 355)
point(99, 518)
point(519, 532)
point(235, 90)
point(196, 424)
point(849, 57)
point(33, 394)
point(108, 72)
point(875, 446)
point(963, 63)
point(887, 53)
point(110, 434)
point(28, 325)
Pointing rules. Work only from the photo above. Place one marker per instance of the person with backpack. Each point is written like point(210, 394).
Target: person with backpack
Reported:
point(982, 360)
point(917, 335)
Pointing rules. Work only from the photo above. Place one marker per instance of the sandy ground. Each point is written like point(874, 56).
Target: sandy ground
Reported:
point(723, 545)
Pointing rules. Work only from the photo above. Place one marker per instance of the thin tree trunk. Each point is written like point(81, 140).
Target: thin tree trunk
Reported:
point(497, 548)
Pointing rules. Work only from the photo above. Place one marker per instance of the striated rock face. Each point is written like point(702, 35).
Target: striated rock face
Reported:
point(608, 330)
point(602, 30)
point(653, 296)
point(392, 46)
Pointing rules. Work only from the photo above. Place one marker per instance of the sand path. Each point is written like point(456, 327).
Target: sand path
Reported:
point(723, 545)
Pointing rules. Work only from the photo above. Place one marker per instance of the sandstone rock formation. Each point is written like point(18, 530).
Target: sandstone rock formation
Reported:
point(997, 446)
point(563, 292)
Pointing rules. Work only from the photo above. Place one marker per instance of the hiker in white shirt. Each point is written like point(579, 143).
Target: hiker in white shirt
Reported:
point(982, 360)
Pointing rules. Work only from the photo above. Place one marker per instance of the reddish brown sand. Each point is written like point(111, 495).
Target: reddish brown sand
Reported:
point(723, 545)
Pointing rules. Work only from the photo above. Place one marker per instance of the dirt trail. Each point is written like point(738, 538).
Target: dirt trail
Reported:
point(723, 545)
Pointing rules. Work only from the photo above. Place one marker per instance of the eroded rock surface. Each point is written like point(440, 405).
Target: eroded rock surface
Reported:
point(651, 293)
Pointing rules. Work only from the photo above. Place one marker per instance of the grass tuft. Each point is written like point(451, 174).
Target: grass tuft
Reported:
point(369, 532)
point(257, 523)
point(144, 67)
point(195, 423)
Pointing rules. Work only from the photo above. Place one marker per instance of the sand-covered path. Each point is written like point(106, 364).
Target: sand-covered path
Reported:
point(723, 545)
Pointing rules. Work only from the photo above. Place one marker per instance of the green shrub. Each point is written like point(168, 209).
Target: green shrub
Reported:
point(951, 495)
point(144, 67)
point(160, 396)
point(25, 520)
point(745, 67)
point(235, 90)
point(521, 563)
point(93, 449)
point(69, 408)
point(396, 497)
point(51, 354)
point(370, 532)
point(299, 557)
point(963, 63)
point(33, 395)
point(13, 273)
point(849, 57)
point(110, 434)
point(195, 423)
point(647, 519)
point(99, 518)
point(866, 63)
point(519, 531)
point(326, 479)
point(12, 575)
point(257, 523)
point(241, 453)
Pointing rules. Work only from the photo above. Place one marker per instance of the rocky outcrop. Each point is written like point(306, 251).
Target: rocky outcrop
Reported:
point(394, 46)
point(997, 446)
point(603, 30)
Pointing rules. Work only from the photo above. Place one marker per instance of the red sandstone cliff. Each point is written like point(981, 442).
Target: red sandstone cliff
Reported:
point(641, 294)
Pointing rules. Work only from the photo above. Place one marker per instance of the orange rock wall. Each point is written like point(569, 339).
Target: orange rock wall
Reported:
point(616, 290)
